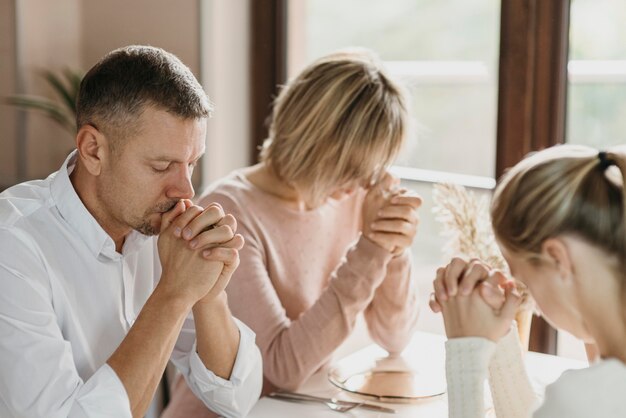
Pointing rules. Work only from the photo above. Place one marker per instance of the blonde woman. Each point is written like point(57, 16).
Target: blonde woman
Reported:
point(560, 219)
point(323, 244)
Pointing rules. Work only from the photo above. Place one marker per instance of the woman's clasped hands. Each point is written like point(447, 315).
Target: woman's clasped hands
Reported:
point(475, 300)
point(389, 215)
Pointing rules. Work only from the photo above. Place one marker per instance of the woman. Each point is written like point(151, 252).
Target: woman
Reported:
point(559, 219)
point(327, 230)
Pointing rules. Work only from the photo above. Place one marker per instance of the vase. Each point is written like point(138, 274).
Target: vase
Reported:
point(523, 318)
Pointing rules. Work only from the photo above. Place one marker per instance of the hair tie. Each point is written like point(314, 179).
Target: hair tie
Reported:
point(605, 162)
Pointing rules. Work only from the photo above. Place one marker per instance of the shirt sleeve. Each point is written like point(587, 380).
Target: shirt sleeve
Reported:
point(234, 397)
point(293, 350)
point(392, 315)
point(511, 390)
point(38, 376)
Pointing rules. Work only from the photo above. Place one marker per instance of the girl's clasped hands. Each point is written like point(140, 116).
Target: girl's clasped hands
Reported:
point(475, 300)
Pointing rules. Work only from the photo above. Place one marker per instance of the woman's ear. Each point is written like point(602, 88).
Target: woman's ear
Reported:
point(556, 252)
point(91, 145)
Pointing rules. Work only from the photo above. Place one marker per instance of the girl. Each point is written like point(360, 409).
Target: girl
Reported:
point(559, 219)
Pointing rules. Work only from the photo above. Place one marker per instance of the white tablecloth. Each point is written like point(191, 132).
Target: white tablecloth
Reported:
point(425, 353)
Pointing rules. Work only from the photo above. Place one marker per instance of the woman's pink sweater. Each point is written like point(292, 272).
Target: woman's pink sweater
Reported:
point(304, 277)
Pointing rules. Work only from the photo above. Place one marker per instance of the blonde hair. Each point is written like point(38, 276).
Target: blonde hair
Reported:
point(564, 189)
point(341, 119)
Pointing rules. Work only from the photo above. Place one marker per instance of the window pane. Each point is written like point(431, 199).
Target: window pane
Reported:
point(448, 61)
point(597, 30)
point(435, 30)
point(596, 108)
point(597, 114)
point(457, 131)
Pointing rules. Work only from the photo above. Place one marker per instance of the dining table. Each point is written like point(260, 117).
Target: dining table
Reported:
point(425, 356)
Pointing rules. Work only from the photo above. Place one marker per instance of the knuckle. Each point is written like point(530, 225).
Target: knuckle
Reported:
point(194, 211)
point(213, 211)
point(228, 231)
point(231, 220)
point(481, 268)
point(180, 221)
point(213, 205)
point(191, 213)
point(458, 262)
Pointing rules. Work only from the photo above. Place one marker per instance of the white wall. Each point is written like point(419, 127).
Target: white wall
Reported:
point(225, 75)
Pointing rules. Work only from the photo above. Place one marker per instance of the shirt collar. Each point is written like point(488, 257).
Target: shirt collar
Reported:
point(74, 212)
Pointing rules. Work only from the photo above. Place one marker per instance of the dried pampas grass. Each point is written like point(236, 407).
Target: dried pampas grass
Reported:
point(465, 220)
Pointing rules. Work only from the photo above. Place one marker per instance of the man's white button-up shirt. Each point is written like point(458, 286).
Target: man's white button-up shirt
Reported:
point(68, 299)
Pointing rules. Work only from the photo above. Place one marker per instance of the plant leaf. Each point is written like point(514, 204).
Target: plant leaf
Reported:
point(64, 92)
point(73, 77)
point(46, 106)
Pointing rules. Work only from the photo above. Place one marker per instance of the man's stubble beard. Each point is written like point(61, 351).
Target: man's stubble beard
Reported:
point(145, 227)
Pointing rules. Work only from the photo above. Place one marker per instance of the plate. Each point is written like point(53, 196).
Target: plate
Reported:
point(390, 379)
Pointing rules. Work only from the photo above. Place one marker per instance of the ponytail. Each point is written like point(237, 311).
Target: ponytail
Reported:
point(566, 189)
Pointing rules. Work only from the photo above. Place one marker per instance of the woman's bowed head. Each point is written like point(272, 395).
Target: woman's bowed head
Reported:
point(335, 128)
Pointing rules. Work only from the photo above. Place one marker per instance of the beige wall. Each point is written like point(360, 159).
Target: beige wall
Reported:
point(76, 33)
point(36, 35)
point(8, 116)
point(225, 74)
point(49, 35)
point(171, 25)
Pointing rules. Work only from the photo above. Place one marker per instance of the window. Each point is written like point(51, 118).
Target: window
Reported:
point(448, 61)
point(447, 52)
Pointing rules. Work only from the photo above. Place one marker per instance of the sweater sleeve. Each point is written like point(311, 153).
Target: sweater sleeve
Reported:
point(511, 390)
point(470, 360)
point(293, 350)
point(392, 315)
point(467, 360)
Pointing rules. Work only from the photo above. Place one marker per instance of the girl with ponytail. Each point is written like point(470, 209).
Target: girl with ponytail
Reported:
point(559, 219)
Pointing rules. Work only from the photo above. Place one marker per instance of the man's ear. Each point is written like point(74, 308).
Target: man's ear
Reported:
point(92, 147)
point(556, 252)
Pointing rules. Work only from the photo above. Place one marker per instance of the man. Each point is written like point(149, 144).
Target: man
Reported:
point(92, 303)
